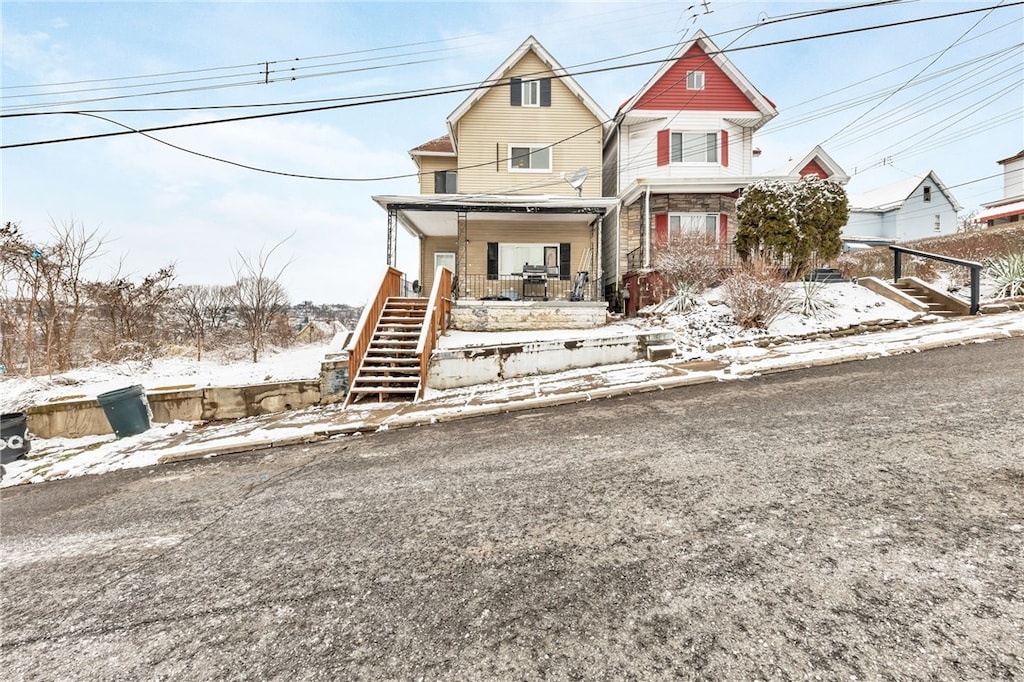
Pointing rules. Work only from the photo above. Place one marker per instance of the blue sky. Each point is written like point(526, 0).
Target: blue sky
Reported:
point(943, 95)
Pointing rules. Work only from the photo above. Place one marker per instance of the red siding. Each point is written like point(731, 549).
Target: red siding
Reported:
point(813, 168)
point(719, 93)
point(663, 144)
point(661, 229)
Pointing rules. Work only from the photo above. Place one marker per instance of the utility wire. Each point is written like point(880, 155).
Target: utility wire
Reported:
point(912, 78)
point(480, 85)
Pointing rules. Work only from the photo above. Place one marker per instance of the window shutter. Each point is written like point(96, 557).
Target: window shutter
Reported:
point(517, 91)
point(565, 261)
point(661, 229)
point(492, 260)
point(545, 92)
point(663, 147)
point(725, 148)
point(723, 228)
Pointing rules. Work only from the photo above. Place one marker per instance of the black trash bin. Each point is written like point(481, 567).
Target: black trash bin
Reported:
point(14, 436)
point(127, 410)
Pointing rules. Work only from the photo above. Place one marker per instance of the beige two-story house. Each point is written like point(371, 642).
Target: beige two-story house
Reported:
point(510, 197)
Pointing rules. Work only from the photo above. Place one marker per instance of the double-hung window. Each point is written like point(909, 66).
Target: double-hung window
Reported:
point(694, 80)
point(700, 225)
point(526, 158)
point(531, 93)
point(694, 147)
point(445, 182)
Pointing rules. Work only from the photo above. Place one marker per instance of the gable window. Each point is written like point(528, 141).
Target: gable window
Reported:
point(445, 182)
point(927, 193)
point(530, 93)
point(694, 80)
point(525, 158)
point(703, 225)
point(694, 147)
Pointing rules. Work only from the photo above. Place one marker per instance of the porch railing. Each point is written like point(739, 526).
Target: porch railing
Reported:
point(435, 321)
point(975, 268)
point(391, 285)
point(516, 288)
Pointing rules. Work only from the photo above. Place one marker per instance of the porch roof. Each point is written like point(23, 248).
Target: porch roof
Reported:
point(436, 215)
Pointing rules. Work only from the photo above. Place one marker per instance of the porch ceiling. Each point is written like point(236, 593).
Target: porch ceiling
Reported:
point(437, 216)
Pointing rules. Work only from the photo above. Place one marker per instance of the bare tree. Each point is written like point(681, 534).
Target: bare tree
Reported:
point(260, 297)
point(42, 298)
point(132, 312)
point(202, 310)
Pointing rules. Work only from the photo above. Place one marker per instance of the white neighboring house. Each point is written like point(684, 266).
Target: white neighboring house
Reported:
point(1010, 208)
point(913, 208)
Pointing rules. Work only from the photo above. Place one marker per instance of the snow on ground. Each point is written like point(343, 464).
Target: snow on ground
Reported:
point(301, 362)
point(703, 333)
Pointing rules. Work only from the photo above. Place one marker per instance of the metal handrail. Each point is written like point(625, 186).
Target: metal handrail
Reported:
point(897, 270)
point(435, 320)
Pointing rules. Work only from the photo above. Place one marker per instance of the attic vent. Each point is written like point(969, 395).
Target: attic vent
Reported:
point(927, 193)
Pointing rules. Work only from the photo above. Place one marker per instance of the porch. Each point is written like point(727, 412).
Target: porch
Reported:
point(506, 248)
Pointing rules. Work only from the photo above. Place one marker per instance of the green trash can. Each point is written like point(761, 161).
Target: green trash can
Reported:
point(14, 440)
point(127, 410)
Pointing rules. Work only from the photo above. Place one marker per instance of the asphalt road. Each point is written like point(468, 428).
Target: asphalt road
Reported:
point(847, 522)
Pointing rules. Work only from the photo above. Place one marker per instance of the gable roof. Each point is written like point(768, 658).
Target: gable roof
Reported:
point(894, 195)
point(498, 76)
point(700, 40)
point(818, 157)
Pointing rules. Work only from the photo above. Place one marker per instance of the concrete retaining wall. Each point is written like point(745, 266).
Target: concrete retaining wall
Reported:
point(85, 417)
point(484, 364)
point(494, 316)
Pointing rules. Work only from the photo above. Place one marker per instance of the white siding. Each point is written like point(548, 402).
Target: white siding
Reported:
point(638, 151)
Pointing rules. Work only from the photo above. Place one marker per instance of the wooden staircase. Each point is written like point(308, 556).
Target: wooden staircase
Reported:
point(390, 370)
point(936, 305)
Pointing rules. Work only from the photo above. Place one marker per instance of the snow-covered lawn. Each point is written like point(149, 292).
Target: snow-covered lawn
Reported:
point(707, 331)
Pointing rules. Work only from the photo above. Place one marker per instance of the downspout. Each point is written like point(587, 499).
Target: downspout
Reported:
point(599, 256)
point(647, 228)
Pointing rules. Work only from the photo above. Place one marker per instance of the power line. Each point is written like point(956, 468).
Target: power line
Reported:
point(439, 91)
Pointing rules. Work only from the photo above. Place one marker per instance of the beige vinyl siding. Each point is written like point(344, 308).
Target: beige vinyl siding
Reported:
point(429, 164)
point(428, 247)
point(492, 124)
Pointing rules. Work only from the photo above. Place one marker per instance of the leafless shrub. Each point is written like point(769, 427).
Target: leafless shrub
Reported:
point(688, 265)
point(757, 295)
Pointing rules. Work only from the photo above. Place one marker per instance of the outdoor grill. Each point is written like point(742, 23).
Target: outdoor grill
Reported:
point(534, 277)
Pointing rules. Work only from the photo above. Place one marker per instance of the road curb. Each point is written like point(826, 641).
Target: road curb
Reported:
point(420, 413)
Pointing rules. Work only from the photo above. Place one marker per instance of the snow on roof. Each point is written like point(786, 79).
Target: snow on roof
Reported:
point(1014, 208)
point(888, 196)
point(895, 194)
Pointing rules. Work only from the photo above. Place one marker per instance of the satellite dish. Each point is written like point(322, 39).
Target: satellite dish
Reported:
point(577, 180)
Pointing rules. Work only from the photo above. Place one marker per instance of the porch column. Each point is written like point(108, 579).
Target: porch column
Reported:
point(597, 283)
point(462, 251)
point(392, 255)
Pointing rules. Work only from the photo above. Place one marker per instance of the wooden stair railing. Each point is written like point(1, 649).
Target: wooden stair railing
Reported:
point(390, 351)
point(435, 322)
point(390, 286)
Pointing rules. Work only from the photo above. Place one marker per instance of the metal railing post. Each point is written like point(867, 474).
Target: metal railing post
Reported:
point(975, 289)
point(897, 265)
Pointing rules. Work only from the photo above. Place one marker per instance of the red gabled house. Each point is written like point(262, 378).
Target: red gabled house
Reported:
point(677, 157)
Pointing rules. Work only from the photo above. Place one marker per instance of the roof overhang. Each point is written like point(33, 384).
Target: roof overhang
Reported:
point(438, 215)
point(726, 185)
